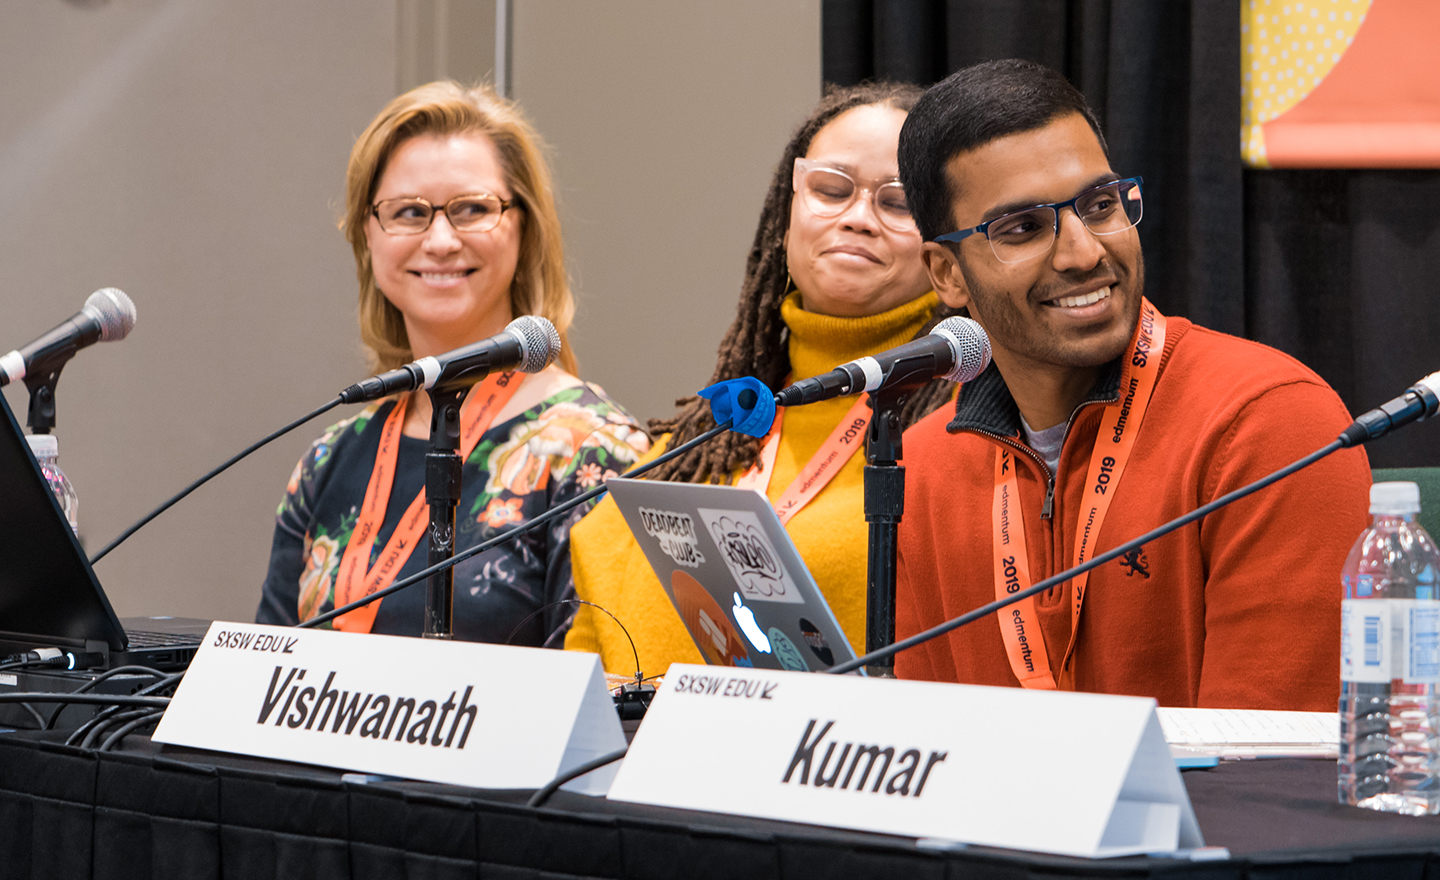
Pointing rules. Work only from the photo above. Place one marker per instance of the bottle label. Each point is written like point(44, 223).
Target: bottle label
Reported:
point(1382, 640)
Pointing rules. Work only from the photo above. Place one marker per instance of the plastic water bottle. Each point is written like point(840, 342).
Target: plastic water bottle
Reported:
point(1390, 660)
point(47, 450)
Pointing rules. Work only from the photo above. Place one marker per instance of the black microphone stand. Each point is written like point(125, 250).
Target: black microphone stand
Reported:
point(41, 384)
point(442, 492)
point(884, 507)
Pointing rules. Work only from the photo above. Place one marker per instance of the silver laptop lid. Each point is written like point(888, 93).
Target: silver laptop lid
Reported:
point(733, 575)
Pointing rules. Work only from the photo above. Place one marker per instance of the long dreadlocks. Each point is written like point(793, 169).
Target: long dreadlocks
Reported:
point(755, 343)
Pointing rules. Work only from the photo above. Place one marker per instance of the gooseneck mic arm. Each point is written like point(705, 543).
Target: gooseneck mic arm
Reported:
point(1419, 402)
point(528, 344)
point(511, 532)
point(210, 476)
point(875, 657)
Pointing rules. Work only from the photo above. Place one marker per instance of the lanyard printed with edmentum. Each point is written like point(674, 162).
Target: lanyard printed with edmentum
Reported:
point(353, 581)
point(842, 444)
point(1115, 441)
point(1019, 624)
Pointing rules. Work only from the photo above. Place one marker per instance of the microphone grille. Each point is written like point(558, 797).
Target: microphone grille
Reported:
point(971, 345)
point(539, 342)
point(113, 311)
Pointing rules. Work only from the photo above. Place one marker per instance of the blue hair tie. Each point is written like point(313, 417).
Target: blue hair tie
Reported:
point(747, 403)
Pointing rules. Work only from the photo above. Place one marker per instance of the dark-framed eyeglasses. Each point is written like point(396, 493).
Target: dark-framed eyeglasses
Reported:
point(828, 191)
point(1024, 235)
point(473, 212)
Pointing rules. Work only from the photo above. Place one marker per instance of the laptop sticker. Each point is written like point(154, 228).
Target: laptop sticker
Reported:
point(703, 616)
point(817, 642)
point(751, 558)
point(785, 651)
point(676, 534)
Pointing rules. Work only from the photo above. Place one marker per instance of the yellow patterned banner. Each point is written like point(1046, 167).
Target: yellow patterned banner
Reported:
point(1340, 83)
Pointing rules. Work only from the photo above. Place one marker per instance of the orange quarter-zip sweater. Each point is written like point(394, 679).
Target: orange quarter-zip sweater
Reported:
point(1240, 610)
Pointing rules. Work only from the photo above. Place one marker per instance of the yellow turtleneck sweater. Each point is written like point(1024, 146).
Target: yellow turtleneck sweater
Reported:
point(830, 532)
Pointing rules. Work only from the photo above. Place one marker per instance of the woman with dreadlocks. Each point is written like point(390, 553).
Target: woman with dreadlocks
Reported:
point(834, 274)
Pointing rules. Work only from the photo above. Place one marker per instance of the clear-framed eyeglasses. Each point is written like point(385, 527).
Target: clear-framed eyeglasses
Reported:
point(474, 212)
point(1024, 235)
point(828, 191)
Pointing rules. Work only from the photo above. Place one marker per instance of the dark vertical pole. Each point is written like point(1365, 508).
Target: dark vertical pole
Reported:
point(884, 506)
point(442, 493)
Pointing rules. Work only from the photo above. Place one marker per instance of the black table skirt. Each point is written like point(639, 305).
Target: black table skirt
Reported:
point(159, 812)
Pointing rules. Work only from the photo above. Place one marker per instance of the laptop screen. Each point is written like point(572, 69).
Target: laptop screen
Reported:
point(48, 592)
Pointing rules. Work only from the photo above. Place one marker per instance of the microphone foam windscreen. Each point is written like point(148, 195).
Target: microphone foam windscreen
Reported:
point(971, 345)
point(539, 342)
point(113, 311)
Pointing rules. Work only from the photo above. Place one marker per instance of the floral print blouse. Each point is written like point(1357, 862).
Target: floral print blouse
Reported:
point(554, 451)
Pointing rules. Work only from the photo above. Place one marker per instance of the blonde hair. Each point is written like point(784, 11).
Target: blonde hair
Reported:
point(540, 286)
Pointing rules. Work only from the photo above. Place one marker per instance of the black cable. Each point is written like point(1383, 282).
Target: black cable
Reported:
point(114, 739)
point(99, 718)
point(164, 682)
point(540, 797)
point(94, 731)
point(39, 719)
point(103, 716)
point(91, 699)
point(509, 533)
point(544, 608)
point(118, 670)
point(205, 479)
point(1167, 528)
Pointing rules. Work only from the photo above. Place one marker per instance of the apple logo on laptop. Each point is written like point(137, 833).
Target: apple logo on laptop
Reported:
point(746, 619)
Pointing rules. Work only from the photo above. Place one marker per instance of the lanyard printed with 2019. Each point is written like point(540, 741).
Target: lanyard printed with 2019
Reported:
point(1019, 623)
point(842, 444)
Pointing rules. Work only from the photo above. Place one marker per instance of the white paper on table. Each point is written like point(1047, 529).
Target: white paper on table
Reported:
point(1245, 733)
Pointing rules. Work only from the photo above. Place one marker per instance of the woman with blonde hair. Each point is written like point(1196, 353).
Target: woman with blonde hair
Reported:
point(450, 211)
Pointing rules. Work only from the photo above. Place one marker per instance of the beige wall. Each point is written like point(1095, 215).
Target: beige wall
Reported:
point(667, 120)
point(191, 152)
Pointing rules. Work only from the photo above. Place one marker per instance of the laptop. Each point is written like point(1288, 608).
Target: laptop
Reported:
point(49, 596)
point(733, 574)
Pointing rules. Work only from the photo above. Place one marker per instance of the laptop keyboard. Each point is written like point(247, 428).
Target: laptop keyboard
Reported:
point(150, 639)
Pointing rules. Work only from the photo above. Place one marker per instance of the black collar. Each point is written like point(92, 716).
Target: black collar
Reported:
point(985, 403)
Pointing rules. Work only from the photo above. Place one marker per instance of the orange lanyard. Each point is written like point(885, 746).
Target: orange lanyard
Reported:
point(842, 444)
point(1019, 623)
point(353, 581)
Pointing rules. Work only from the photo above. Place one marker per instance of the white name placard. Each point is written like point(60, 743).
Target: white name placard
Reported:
point(1077, 774)
point(486, 716)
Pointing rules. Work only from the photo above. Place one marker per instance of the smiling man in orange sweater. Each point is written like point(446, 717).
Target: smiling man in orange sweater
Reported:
point(1098, 420)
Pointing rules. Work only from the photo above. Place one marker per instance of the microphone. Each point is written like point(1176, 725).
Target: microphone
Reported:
point(528, 344)
point(1419, 402)
point(107, 315)
point(957, 350)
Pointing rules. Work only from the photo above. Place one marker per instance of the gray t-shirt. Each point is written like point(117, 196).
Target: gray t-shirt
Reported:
point(1047, 442)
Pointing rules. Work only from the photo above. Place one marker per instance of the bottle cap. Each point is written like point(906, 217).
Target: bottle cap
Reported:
point(1395, 499)
point(43, 444)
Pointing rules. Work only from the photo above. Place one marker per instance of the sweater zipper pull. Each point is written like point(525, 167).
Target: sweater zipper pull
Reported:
point(1049, 505)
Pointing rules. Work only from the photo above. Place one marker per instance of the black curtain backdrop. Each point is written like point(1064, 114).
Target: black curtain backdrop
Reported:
point(1336, 268)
